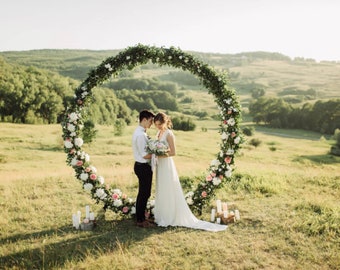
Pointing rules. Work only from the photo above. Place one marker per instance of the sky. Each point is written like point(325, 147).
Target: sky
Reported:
point(295, 28)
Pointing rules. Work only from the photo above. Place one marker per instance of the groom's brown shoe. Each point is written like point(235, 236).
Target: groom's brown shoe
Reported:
point(145, 224)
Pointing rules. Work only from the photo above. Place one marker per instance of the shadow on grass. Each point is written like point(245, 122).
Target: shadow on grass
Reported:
point(73, 245)
point(319, 159)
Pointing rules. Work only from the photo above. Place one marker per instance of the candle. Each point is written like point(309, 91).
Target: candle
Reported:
point(75, 221)
point(87, 211)
point(213, 213)
point(218, 220)
point(219, 206)
point(237, 215)
point(225, 207)
point(74, 216)
point(78, 216)
point(91, 216)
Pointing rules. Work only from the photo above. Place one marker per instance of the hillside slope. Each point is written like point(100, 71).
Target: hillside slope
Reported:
point(272, 71)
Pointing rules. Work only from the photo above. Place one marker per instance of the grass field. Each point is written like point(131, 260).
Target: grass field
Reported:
point(287, 193)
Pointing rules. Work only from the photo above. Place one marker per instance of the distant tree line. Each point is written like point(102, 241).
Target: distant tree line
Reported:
point(153, 100)
point(143, 84)
point(34, 96)
point(322, 116)
point(31, 95)
point(182, 78)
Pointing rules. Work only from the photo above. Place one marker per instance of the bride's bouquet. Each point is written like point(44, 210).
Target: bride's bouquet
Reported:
point(157, 147)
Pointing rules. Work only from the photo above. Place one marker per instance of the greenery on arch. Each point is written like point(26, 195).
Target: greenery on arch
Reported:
point(220, 169)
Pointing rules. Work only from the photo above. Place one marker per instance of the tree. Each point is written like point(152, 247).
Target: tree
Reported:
point(257, 92)
point(183, 123)
point(335, 149)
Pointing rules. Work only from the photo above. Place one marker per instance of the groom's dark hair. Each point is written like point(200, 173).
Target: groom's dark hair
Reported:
point(145, 114)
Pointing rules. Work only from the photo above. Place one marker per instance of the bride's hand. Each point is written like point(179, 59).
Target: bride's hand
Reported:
point(165, 155)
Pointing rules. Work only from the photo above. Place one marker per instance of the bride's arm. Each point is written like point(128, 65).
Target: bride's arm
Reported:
point(172, 147)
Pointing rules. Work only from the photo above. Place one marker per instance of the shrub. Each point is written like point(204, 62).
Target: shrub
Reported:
point(335, 149)
point(187, 183)
point(89, 131)
point(337, 136)
point(200, 114)
point(248, 131)
point(255, 142)
point(187, 100)
point(182, 123)
point(119, 127)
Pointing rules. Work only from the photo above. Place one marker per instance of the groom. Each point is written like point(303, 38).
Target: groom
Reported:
point(142, 167)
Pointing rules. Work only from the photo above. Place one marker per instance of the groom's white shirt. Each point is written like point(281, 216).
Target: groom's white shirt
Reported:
point(139, 140)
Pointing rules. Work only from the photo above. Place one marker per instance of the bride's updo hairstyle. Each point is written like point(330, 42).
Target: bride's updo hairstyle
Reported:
point(163, 118)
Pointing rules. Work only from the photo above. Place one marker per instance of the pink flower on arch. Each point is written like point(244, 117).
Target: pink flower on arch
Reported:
point(124, 196)
point(233, 134)
point(115, 196)
point(204, 194)
point(125, 209)
point(79, 163)
point(208, 178)
point(87, 169)
point(227, 160)
point(93, 176)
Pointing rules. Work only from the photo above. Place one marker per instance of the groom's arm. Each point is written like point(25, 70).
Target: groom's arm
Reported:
point(141, 145)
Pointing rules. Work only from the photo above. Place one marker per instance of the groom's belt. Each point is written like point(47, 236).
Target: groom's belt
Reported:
point(141, 163)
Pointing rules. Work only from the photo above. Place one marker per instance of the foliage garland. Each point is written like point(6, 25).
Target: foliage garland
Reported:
point(220, 169)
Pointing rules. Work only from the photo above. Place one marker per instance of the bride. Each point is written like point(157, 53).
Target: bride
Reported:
point(171, 208)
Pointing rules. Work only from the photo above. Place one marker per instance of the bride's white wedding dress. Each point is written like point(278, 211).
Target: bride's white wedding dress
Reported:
point(171, 208)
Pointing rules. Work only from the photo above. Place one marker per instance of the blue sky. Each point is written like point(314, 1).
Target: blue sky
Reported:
point(296, 28)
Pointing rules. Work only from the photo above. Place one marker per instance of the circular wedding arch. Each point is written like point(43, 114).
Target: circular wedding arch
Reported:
point(220, 169)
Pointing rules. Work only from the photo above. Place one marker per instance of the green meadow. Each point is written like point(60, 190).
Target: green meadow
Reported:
point(287, 190)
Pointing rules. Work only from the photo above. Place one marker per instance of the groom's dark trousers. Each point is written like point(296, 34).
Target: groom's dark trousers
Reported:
point(144, 174)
